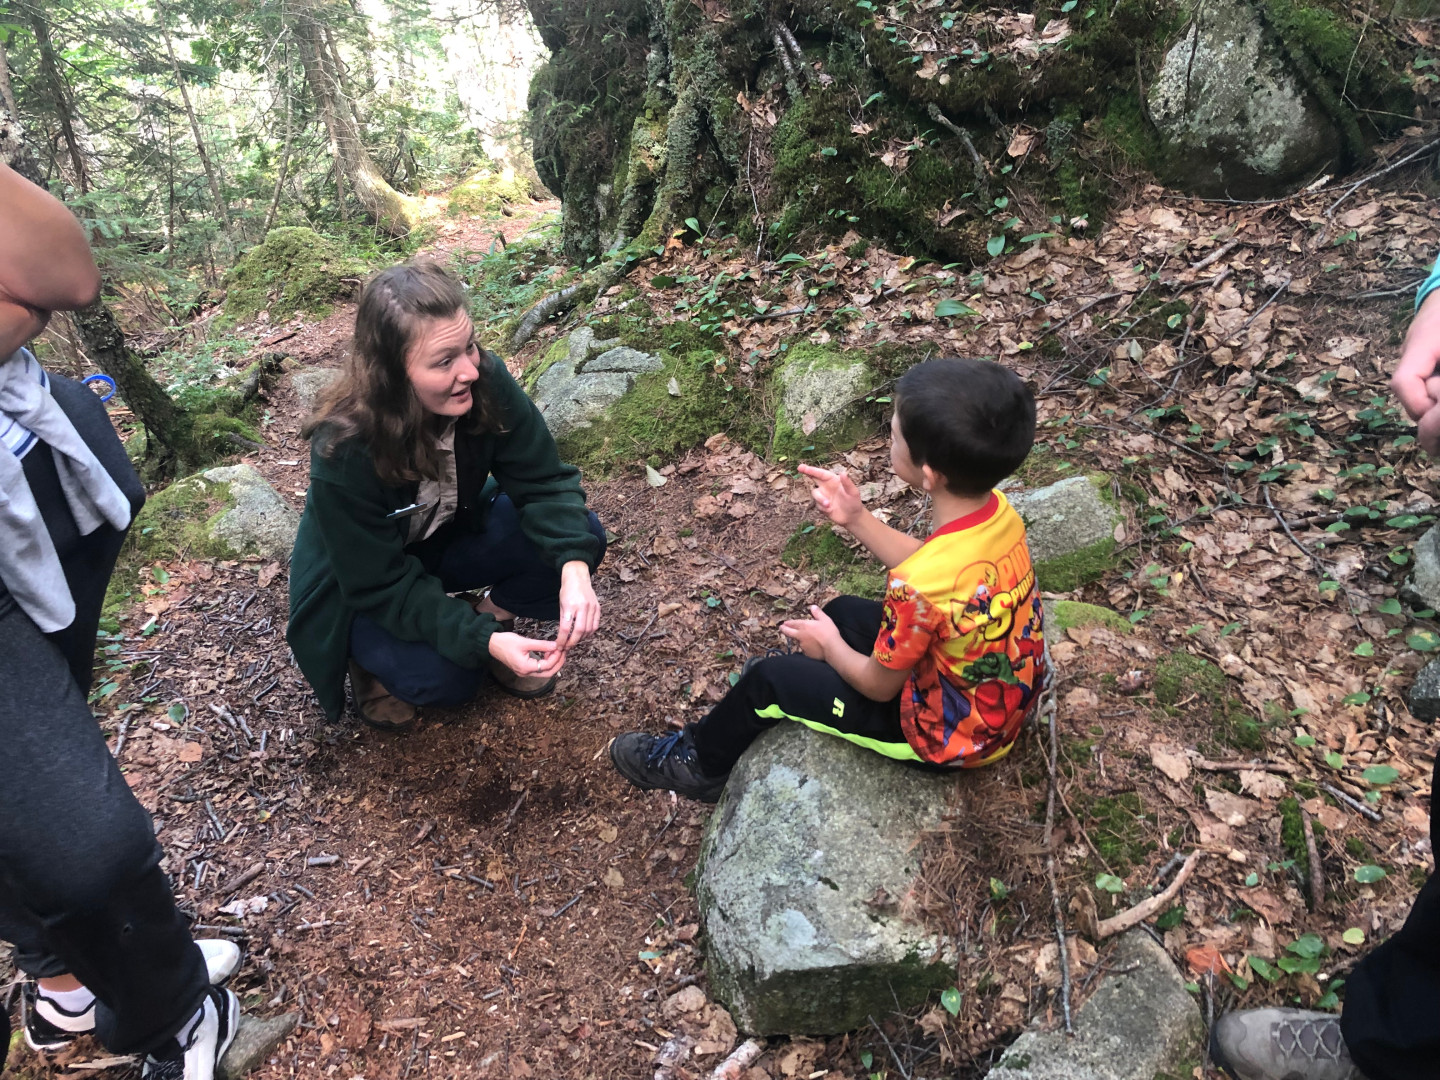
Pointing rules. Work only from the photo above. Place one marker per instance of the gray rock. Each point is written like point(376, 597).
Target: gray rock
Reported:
point(813, 384)
point(1236, 118)
point(1422, 588)
point(310, 383)
point(1136, 1026)
point(576, 392)
point(259, 521)
point(623, 359)
point(1065, 517)
point(1425, 693)
point(255, 1040)
point(804, 873)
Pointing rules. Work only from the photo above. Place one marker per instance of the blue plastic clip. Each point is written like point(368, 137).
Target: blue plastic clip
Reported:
point(107, 380)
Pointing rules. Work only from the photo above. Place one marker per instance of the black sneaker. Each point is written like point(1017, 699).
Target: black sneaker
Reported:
point(666, 762)
point(57, 1029)
point(196, 1051)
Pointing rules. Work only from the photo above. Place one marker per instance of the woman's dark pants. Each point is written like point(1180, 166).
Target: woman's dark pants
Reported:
point(521, 581)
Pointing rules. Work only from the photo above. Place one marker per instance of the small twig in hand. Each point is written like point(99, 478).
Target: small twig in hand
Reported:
point(1352, 802)
point(1317, 873)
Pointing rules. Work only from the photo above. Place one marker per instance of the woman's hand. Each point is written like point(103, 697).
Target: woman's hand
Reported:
point(579, 609)
point(518, 654)
point(814, 635)
point(835, 494)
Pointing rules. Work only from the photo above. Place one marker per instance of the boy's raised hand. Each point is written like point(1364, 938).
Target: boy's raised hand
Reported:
point(815, 634)
point(835, 494)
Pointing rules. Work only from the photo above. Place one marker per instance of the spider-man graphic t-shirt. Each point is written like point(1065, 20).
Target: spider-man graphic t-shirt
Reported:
point(964, 615)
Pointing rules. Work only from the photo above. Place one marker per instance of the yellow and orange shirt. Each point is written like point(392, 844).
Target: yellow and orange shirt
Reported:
point(964, 615)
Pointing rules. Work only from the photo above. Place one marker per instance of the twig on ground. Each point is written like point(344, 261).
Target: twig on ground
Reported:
point(1427, 148)
point(1317, 872)
point(1176, 861)
point(1048, 711)
point(1143, 910)
point(1078, 311)
point(510, 817)
point(1273, 296)
point(776, 314)
point(740, 1059)
point(232, 883)
point(1216, 255)
point(1206, 765)
point(1315, 561)
point(1352, 802)
point(640, 639)
point(982, 174)
point(888, 1046)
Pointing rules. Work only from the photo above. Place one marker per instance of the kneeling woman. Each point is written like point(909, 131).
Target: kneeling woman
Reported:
point(432, 473)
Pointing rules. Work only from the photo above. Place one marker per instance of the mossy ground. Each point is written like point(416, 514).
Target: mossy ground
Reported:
point(1197, 686)
point(1065, 573)
point(294, 269)
point(1122, 830)
point(819, 550)
point(173, 524)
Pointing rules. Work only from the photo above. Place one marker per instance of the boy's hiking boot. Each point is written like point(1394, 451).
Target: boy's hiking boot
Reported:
point(1281, 1044)
point(666, 762)
point(197, 1049)
point(49, 1026)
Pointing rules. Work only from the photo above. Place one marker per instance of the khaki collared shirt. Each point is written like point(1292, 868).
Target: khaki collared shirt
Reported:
point(442, 496)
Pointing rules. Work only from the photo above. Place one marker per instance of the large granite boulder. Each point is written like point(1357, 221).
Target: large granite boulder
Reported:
point(1236, 117)
point(1070, 526)
point(584, 377)
point(804, 881)
point(309, 383)
point(1140, 1023)
point(1422, 587)
point(1424, 699)
point(256, 520)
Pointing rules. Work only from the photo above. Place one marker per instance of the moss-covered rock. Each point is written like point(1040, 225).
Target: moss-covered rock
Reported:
point(1062, 615)
point(820, 391)
point(294, 269)
point(488, 191)
point(1070, 525)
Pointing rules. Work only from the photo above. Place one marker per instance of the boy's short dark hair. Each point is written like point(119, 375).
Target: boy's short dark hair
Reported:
point(971, 421)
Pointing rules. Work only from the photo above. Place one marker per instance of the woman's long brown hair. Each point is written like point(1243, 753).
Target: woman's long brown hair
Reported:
point(373, 400)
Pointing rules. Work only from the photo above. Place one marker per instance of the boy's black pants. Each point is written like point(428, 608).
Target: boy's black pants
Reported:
point(1391, 1020)
point(81, 889)
point(795, 687)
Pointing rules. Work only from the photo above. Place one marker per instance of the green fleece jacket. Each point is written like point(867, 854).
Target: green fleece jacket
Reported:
point(350, 557)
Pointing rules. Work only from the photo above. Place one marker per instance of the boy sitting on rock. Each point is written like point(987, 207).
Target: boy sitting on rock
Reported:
point(944, 671)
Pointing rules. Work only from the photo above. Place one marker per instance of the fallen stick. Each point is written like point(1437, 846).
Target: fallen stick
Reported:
point(1206, 765)
point(1143, 910)
point(740, 1059)
point(1352, 802)
point(1317, 872)
point(1216, 255)
point(231, 884)
point(1050, 709)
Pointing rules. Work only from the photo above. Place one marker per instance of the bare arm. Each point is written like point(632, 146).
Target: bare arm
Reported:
point(839, 499)
point(45, 260)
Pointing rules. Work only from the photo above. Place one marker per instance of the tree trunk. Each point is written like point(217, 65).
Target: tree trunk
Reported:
point(212, 172)
point(393, 212)
point(50, 66)
point(7, 92)
point(288, 91)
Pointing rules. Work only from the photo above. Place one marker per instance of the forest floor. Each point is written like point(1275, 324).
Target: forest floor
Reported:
point(484, 896)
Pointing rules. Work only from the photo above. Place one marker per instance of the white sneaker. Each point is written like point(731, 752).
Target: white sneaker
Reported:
point(201, 1044)
point(49, 1027)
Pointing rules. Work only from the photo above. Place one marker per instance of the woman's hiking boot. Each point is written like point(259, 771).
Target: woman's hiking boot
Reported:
point(666, 762)
point(1281, 1044)
point(375, 705)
